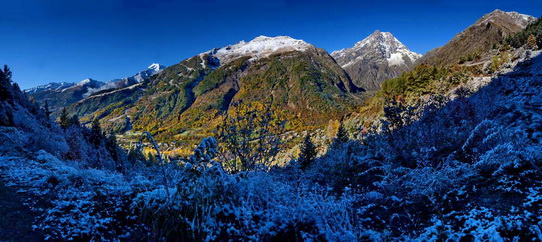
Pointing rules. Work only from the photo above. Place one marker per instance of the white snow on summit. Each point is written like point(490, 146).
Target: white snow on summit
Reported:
point(522, 19)
point(84, 82)
point(259, 47)
point(155, 67)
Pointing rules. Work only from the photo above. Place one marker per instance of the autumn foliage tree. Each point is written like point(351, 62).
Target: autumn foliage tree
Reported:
point(531, 42)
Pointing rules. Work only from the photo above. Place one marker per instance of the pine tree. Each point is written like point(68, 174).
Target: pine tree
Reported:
point(112, 147)
point(307, 153)
point(96, 134)
point(64, 119)
point(47, 109)
point(5, 83)
point(342, 135)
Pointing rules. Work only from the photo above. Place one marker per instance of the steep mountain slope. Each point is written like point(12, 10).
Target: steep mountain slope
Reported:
point(486, 33)
point(62, 94)
point(467, 169)
point(375, 59)
point(292, 75)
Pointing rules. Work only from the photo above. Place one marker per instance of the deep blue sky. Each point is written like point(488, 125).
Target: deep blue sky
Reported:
point(45, 41)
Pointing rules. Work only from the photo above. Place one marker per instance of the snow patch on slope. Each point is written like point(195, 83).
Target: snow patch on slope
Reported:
point(85, 82)
point(396, 59)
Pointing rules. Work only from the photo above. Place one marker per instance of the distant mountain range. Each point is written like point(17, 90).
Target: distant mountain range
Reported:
point(63, 94)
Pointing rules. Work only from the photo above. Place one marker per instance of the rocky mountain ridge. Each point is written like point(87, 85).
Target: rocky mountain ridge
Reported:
point(488, 32)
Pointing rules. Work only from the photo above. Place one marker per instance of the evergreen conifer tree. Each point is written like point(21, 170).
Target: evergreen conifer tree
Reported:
point(64, 119)
point(5, 83)
point(307, 153)
point(342, 135)
point(96, 134)
point(47, 109)
point(112, 147)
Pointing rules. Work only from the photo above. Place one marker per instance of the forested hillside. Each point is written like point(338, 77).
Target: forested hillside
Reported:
point(185, 102)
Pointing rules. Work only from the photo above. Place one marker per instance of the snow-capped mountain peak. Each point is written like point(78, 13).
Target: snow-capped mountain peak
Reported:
point(377, 37)
point(383, 43)
point(85, 81)
point(259, 47)
point(376, 58)
point(156, 67)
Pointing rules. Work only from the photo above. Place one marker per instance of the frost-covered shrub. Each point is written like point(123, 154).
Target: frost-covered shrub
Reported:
point(79, 148)
point(41, 133)
point(205, 152)
point(256, 206)
point(250, 137)
point(11, 140)
point(211, 204)
point(83, 203)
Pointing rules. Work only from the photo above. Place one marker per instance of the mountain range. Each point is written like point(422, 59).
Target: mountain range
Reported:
point(186, 100)
point(191, 95)
point(63, 94)
point(290, 73)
